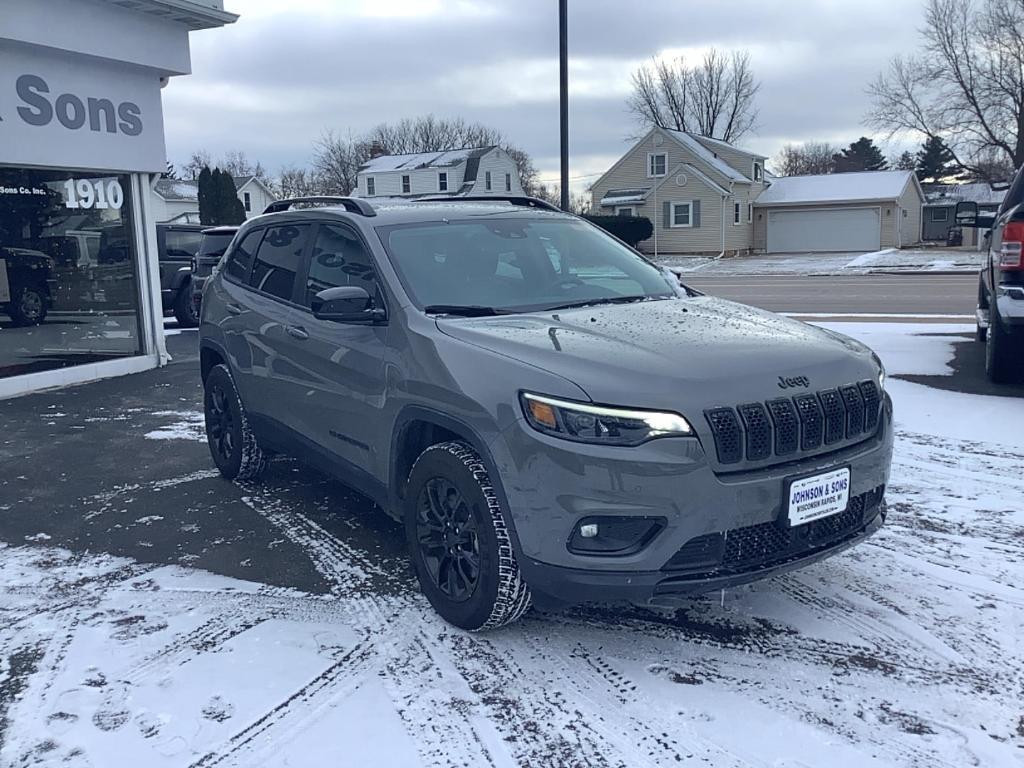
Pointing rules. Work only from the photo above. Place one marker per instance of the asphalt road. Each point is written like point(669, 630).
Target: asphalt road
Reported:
point(913, 294)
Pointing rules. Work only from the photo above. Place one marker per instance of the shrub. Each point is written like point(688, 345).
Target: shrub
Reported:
point(629, 229)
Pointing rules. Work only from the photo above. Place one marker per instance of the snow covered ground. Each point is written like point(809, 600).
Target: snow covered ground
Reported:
point(888, 260)
point(904, 651)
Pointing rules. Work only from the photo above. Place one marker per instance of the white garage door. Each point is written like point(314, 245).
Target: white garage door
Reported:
point(840, 229)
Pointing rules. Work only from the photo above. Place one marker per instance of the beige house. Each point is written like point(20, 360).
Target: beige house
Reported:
point(706, 196)
point(698, 192)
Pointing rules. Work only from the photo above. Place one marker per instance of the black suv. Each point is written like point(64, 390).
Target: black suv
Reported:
point(1000, 314)
point(28, 276)
point(215, 241)
point(177, 246)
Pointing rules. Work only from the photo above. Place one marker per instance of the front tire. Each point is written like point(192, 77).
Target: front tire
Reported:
point(459, 540)
point(233, 446)
point(28, 306)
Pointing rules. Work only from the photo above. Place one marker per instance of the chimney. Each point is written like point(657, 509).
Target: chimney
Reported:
point(376, 149)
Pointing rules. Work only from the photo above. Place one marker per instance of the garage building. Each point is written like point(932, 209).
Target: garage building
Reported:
point(839, 212)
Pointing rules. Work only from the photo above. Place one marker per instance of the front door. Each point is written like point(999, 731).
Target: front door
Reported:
point(342, 389)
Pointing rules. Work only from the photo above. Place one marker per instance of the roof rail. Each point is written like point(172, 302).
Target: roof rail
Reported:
point(350, 204)
point(523, 200)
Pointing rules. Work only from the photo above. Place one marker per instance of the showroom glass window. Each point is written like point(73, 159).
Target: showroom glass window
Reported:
point(68, 277)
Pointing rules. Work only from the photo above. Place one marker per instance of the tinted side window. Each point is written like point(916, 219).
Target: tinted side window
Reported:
point(181, 245)
point(277, 261)
point(339, 258)
point(241, 258)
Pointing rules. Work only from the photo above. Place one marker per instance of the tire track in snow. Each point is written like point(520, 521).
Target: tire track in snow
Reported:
point(542, 727)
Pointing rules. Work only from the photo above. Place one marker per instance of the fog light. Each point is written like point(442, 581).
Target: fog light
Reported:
point(613, 535)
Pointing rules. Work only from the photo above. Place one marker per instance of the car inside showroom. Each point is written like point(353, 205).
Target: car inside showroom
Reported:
point(81, 141)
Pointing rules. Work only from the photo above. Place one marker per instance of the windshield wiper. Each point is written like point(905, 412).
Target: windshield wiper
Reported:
point(595, 302)
point(466, 310)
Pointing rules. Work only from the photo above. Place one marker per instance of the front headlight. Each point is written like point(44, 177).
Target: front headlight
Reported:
point(588, 423)
point(881, 370)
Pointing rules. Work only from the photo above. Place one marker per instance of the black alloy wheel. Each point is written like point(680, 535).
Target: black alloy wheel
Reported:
point(446, 530)
point(221, 422)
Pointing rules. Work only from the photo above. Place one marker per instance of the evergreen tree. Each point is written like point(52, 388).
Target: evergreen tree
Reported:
point(861, 155)
point(905, 162)
point(207, 195)
point(232, 210)
point(935, 161)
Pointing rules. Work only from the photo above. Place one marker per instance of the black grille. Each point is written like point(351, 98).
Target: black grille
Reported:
point(835, 415)
point(872, 404)
point(728, 438)
point(758, 546)
point(787, 428)
point(759, 431)
point(785, 425)
point(854, 409)
point(812, 422)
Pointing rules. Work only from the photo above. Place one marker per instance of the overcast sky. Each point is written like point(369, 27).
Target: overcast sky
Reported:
point(286, 71)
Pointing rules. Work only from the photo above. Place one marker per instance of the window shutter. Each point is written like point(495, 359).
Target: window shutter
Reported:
point(666, 216)
point(695, 213)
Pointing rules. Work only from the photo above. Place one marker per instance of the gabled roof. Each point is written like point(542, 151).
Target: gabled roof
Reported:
point(706, 156)
point(863, 186)
point(419, 160)
point(726, 145)
point(951, 194)
point(178, 189)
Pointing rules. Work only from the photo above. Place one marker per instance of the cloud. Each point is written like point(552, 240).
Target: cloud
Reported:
point(275, 80)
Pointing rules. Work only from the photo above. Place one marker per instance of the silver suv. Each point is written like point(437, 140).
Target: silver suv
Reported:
point(553, 418)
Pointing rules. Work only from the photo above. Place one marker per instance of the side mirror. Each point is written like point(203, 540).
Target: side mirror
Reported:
point(346, 304)
point(966, 213)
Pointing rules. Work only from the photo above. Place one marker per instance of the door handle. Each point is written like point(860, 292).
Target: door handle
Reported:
point(233, 309)
point(297, 331)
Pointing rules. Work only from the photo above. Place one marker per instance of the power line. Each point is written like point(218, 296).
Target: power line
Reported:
point(572, 178)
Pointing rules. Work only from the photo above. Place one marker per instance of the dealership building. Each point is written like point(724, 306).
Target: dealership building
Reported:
point(81, 146)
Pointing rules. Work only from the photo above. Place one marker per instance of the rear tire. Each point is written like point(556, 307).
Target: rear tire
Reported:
point(1003, 352)
point(459, 541)
point(185, 309)
point(982, 333)
point(28, 306)
point(233, 446)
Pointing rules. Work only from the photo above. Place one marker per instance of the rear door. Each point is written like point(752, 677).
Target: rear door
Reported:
point(340, 386)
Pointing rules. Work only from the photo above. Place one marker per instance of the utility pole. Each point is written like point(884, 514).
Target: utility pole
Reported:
point(563, 73)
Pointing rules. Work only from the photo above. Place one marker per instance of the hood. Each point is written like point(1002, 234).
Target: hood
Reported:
point(678, 354)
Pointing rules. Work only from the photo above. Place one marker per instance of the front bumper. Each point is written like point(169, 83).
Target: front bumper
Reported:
point(715, 529)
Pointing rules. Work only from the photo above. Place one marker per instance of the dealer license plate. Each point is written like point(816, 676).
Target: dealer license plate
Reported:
point(812, 498)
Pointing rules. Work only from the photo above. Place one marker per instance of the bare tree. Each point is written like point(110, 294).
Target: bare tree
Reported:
point(965, 85)
point(235, 162)
point(713, 98)
point(294, 181)
point(200, 159)
point(579, 202)
point(336, 161)
point(812, 157)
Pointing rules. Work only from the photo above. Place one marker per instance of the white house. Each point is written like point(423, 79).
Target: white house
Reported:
point(177, 200)
point(455, 172)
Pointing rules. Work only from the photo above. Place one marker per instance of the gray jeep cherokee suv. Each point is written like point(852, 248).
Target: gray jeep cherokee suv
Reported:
point(552, 417)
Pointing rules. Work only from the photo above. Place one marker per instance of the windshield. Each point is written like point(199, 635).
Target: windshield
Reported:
point(517, 265)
